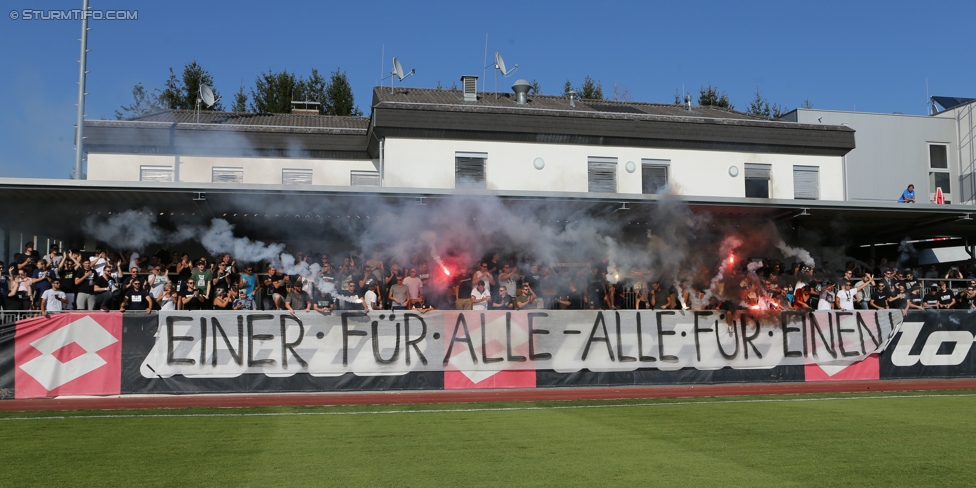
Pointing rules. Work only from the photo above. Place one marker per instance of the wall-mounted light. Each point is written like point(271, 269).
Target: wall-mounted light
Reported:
point(630, 166)
point(539, 163)
point(733, 171)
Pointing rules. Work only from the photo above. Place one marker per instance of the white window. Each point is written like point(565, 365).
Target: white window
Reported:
point(296, 177)
point(470, 170)
point(226, 175)
point(806, 182)
point(602, 175)
point(757, 179)
point(939, 170)
point(654, 175)
point(156, 173)
point(364, 178)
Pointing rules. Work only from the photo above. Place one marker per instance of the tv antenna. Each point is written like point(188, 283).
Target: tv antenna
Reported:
point(500, 66)
point(398, 73)
point(205, 95)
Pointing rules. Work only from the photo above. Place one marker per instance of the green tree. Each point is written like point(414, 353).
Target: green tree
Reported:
point(240, 101)
point(778, 111)
point(709, 96)
point(143, 102)
point(759, 106)
point(312, 89)
point(807, 103)
point(273, 92)
point(568, 87)
point(590, 90)
point(181, 93)
point(339, 95)
point(535, 88)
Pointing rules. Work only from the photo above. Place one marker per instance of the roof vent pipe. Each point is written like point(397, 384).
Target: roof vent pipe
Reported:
point(688, 102)
point(572, 98)
point(469, 84)
point(521, 89)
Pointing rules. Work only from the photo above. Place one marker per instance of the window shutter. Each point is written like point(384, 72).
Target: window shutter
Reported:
point(364, 178)
point(806, 182)
point(469, 170)
point(227, 175)
point(296, 177)
point(753, 170)
point(654, 176)
point(156, 173)
point(602, 176)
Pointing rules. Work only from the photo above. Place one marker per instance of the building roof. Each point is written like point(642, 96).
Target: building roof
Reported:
point(452, 100)
point(231, 134)
point(949, 103)
point(443, 114)
point(254, 120)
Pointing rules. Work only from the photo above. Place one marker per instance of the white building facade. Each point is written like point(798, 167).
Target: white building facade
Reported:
point(445, 139)
point(895, 150)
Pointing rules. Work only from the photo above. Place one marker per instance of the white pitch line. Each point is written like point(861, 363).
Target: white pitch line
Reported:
point(500, 409)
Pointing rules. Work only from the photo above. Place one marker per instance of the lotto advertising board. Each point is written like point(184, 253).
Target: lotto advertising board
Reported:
point(932, 345)
point(214, 352)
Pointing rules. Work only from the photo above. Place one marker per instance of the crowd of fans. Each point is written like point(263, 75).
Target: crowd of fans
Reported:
point(107, 281)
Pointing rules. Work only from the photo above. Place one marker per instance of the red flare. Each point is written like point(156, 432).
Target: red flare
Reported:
point(447, 271)
point(731, 259)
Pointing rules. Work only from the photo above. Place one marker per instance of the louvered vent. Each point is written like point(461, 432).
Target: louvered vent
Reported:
point(227, 175)
point(156, 173)
point(296, 177)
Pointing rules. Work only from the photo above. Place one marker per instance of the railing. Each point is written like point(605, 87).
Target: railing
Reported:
point(11, 316)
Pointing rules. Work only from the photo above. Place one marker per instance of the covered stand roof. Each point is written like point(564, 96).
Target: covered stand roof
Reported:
point(276, 212)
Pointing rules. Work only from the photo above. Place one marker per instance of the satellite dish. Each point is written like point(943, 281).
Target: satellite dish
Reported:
point(398, 73)
point(500, 65)
point(206, 94)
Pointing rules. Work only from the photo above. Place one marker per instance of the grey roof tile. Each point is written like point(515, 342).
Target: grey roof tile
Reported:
point(258, 120)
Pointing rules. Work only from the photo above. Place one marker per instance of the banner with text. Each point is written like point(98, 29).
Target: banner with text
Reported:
point(480, 344)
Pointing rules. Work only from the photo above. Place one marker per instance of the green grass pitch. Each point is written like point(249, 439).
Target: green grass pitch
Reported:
point(898, 439)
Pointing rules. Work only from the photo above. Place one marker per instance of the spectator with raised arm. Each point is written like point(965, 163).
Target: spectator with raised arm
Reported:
point(21, 291)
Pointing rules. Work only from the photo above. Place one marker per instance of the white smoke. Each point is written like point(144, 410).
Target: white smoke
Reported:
point(906, 251)
point(219, 238)
point(795, 252)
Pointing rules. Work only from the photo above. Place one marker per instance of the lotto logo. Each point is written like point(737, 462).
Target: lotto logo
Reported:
point(68, 354)
point(933, 352)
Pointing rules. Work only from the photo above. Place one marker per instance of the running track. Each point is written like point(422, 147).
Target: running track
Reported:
point(472, 396)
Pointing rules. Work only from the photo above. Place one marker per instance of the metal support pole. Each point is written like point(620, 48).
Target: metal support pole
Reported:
point(80, 130)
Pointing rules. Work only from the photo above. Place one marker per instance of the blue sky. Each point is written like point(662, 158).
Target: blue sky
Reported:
point(868, 56)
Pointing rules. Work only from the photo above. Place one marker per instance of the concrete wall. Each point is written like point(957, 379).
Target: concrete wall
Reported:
point(419, 163)
point(966, 138)
point(126, 167)
point(892, 151)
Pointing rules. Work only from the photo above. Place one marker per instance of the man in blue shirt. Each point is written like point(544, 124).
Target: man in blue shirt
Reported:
point(908, 196)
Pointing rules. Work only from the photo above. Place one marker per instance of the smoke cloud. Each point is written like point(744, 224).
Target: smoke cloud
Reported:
point(668, 243)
